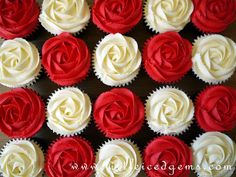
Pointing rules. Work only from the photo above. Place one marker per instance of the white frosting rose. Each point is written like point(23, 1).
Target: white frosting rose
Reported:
point(214, 58)
point(167, 15)
point(19, 62)
point(169, 111)
point(214, 153)
point(21, 158)
point(68, 111)
point(64, 16)
point(118, 158)
point(117, 60)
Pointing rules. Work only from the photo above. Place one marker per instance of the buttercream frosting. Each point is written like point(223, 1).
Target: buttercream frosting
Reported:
point(214, 153)
point(64, 16)
point(214, 58)
point(169, 111)
point(117, 59)
point(19, 62)
point(21, 158)
point(167, 15)
point(118, 158)
point(68, 111)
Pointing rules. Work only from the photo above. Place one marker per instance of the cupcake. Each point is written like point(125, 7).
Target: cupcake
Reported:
point(22, 113)
point(169, 111)
point(116, 16)
point(66, 59)
point(18, 18)
point(68, 111)
point(63, 16)
point(213, 16)
point(214, 154)
point(216, 108)
point(165, 155)
point(19, 63)
point(117, 60)
point(118, 158)
point(167, 57)
point(167, 15)
point(118, 113)
point(20, 158)
point(70, 156)
point(214, 58)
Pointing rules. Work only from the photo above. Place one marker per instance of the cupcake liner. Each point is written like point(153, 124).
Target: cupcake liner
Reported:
point(144, 67)
point(195, 72)
point(98, 74)
point(71, 133)
point(145, 17)
point(24, 139)
point(134, 146)
point(170, 133)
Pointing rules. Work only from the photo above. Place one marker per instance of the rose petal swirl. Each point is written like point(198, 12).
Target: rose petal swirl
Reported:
point(214, 58)
point(167, 15)
point(64, 16)
point(21, 158)
point(169, 111)
point(212, 153)
point(119, 113)
point(117, 59)
point(19, 62)
point(118, 158)
point(68, 111)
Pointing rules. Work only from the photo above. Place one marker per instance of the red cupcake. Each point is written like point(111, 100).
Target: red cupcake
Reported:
point(68, 157)
point(167, 57)
point(216, 108)
point(66, 59)
point(118, 113)
point(116, 16)
point(18, 18)
point(213, 16)
point(167, 156)
point(22, 113)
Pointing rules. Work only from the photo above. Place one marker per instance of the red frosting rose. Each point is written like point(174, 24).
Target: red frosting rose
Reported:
point(18, 18)
point(70, 157)
point(216, 108)
point(118, 113)
point(167, 57)
point(213, 16)
point(166, 153)
point(66, 59)
point(22, 113)
point(114, 16)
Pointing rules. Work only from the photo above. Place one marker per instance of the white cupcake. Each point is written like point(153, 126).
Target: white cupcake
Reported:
point(68, 111)
point(214, 58)
point(214, 155)
point(167, 15)
point(117, 60)
point(64, 16)
point(118, 158)
point(21, 157)
point(20, 63)
point(169, 111)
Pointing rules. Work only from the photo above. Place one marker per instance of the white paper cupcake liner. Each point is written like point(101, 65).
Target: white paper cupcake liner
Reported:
point(58, 132)
point(15, 140)
point(99, 74)
point(134, 146)
point(145, 17)
point(211, 82)
point(177, 133)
